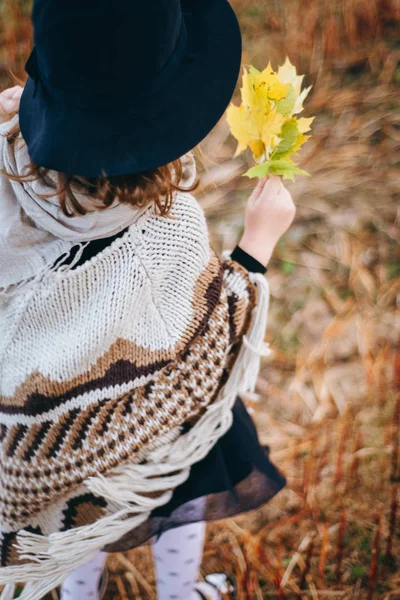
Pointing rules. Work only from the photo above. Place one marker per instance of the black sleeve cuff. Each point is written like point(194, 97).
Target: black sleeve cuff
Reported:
point(247, 261)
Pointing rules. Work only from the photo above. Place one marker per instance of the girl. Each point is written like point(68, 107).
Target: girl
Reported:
point(124, 339)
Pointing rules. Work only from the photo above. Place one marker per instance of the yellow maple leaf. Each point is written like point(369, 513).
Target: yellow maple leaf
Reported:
point(287, 74)
point(269, 84)
point(272, 126)
point(299, 142)
point(254, 99)
point(245, 130)
point(256, 122)
point(265, 120)
point(298, 107)
point(248, 89)
point(304, 124)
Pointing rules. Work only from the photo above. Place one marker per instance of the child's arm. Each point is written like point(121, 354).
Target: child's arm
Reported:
point(269, 213)
point(9, 102)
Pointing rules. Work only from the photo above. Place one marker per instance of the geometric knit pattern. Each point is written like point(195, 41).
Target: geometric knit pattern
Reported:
point(98, 362)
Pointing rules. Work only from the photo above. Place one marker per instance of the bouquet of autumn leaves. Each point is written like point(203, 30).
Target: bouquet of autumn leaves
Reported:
point(266, 123)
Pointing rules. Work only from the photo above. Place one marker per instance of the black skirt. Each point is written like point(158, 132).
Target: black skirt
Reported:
point(236, 476)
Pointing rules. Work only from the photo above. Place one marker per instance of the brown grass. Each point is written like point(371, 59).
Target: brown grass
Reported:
point(328, 399)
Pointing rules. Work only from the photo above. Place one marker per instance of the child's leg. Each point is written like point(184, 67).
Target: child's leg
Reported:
point(83, 583)
point(177, 554)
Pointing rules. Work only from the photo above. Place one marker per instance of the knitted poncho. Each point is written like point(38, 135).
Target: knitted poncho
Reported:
point(101, 366)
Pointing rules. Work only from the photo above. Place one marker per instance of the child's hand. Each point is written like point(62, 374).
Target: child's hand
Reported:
point(269, 213)
point(9, 102)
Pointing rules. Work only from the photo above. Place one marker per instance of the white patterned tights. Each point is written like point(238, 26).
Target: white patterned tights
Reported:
point(177, 556)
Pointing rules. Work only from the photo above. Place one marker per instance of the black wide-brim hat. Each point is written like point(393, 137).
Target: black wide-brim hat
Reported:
point(121, 86)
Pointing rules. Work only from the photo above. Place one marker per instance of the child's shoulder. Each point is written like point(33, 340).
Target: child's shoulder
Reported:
point(186, 214)
point(186, 208)
point(181, 234)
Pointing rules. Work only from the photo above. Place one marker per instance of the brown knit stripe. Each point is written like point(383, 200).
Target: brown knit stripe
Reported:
point(8, 550)
point(240, 309)
point(33, 441)
point(3, 432)
point(105, 418)
point(58, 433)
point(121, 372)
point(123, 362)
point(85, 430)
point(211, 296)
point(127, 404)
point(119, 423)
point(240, 317)
point(6, 547)
point(233, 325)
point(78, 431)
point(83, 510)
point(248, 308)
point(16, 435)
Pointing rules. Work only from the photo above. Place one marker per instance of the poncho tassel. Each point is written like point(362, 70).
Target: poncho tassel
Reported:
point(8, 592)
point(253, 342)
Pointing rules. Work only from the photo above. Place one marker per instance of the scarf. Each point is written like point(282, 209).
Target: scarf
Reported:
point(34, 231)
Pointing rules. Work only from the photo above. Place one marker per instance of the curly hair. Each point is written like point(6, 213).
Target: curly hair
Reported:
point(153, 186)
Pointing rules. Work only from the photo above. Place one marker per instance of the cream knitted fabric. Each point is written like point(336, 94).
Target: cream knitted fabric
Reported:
point(100, 366)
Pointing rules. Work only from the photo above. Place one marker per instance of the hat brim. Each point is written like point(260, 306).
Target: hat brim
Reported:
point(178, 117)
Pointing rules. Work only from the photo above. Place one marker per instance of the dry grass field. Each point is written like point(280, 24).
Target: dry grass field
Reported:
point(328, 398)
